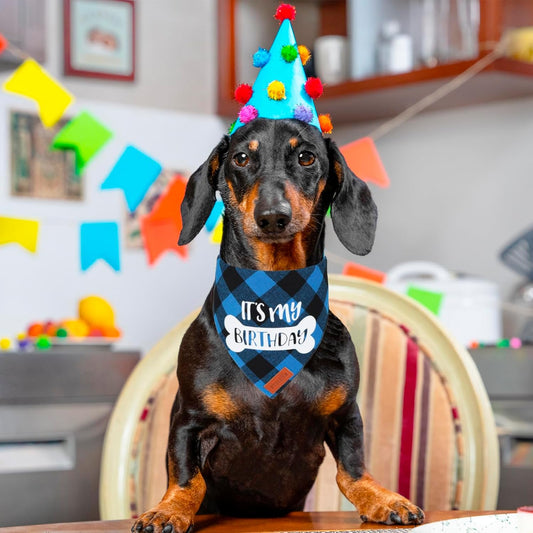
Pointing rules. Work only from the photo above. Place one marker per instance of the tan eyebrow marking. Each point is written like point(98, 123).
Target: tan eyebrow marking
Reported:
point(293, 141)
point(253, 145)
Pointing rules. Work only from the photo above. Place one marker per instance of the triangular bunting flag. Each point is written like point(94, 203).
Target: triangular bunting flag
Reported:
point(85, 135)
point(134, 172)
point(161, 228)
point(20, 231)
point(363, 159)
point(99, 240)
point(32, 81)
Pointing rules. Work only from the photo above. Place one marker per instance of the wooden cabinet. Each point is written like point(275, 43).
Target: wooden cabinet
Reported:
point(378, 96)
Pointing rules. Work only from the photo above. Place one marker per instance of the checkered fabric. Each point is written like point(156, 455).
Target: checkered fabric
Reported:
point(271, 322)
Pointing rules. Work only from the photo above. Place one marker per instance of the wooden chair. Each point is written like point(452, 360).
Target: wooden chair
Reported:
point(429, 428)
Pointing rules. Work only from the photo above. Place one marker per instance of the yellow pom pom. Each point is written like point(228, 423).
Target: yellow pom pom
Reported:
point(276, 90)
point(305, 54)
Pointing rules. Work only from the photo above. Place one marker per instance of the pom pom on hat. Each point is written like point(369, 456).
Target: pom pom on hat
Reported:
point(303, 112)
point(325, 123)
point(276, 90)
point(314, 87)
point(261, 57)
point(247, 114)
point(243, 93)
point(305, 54)
point(285, 11)
point(289, 53)
point(232, 127)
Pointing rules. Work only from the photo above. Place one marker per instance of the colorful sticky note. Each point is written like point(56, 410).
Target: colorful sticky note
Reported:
point(361, 271)
point(32, 81)
point(214, 217)
point(99, 240)
point(85, 135)
point(134, 172)
point(429, 299)
point(20, 231)
point(161, 228)
point(4, 43)
point(216, 236)
point(363, 159)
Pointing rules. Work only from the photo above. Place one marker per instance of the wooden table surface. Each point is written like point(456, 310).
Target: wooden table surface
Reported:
point(307, 522)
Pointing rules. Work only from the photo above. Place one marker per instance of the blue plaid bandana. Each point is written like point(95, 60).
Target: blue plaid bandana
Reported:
point(271, 323)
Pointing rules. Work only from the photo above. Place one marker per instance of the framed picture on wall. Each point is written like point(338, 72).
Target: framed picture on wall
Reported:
point(37, 171)
point(99, 38)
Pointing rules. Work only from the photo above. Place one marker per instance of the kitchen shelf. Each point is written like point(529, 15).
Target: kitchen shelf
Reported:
point(383, 96)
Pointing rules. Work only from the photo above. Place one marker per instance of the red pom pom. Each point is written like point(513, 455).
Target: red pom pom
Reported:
point(243, 93)
point(285, 11)
point(314, 87)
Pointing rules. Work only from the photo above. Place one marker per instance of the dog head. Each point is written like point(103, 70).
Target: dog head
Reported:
point(277, 179)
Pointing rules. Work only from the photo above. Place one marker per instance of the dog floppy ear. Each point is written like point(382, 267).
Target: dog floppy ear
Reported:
point(200, 194)
point(353, 211)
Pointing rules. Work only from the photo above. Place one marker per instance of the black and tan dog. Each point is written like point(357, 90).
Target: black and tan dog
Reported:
point(233, 450)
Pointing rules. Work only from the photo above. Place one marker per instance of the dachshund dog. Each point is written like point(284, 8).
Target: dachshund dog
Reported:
point(232, 449)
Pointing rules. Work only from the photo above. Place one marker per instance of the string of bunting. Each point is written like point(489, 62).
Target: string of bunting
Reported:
point(135, 171)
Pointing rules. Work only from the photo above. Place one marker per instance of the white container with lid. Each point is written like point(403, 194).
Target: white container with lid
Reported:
point(470, 307)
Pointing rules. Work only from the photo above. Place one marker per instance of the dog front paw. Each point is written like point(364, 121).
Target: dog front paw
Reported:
point(162, 519)
point(392, 509)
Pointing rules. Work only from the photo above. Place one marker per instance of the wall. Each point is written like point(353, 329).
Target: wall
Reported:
point(176, 42)
point(148, 301)
point(461, 188)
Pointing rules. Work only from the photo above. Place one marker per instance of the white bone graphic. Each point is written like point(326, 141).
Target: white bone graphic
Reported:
point(241, 337)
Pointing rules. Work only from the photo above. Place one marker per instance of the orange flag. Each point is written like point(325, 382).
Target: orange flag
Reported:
point(363, 159)
point(161, 228)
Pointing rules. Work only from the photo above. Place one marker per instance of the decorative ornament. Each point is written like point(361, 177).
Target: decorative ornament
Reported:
point(261, 57)
point(314, 88)
point(305, 54)
point(325, 123)
point(247, 114)
point(284, 12)
point(289, 53)
point(276, 90)
point(303, 112)
point(243, 93)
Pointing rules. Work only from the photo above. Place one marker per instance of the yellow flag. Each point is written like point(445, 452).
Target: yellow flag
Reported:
point(216, 236)
point(19, 230)
point(32, 81)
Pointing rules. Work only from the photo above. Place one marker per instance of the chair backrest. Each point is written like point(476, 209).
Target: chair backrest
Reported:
point(429, 428)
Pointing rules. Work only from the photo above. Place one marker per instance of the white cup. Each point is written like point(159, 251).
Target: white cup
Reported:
point(331, 58)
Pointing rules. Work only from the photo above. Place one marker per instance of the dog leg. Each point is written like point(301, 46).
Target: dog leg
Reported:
point(373, 502)
point(186, 486)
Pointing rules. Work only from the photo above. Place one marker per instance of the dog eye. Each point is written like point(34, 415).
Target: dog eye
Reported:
point(241, 159)
point(306, 158)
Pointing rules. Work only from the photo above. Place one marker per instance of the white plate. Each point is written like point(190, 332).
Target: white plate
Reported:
point(493, 523)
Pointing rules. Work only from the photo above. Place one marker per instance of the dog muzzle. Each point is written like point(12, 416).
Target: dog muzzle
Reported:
point(271, 323)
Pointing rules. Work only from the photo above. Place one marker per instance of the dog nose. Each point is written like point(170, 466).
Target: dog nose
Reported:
point(272, 219)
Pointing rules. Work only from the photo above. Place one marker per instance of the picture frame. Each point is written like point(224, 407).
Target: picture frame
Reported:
point(99, 39)
point(36, 171)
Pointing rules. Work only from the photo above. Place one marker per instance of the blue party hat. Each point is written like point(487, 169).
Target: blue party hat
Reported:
point(282, 89)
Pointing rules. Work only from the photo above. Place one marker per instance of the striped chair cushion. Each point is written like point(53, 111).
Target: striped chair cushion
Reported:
point(412, 433)
point(413, 442)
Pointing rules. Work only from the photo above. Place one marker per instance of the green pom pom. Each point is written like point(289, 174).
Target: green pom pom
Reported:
point(289, 53)
point(232, 127)
point(62, 332)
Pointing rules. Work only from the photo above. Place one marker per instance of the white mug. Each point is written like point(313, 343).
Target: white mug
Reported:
point(331, 58)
